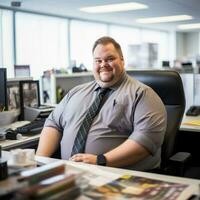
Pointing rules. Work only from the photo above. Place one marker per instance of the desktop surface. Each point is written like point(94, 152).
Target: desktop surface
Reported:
point(29, 141)
point(99, 175)
point(26, 141)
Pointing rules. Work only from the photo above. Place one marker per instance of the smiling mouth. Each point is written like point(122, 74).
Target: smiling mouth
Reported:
point(105, 71)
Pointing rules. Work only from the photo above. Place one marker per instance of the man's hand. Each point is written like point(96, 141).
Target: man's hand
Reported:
point(86, 158)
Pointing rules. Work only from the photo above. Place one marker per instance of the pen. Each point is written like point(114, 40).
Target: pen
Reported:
point(114, 102)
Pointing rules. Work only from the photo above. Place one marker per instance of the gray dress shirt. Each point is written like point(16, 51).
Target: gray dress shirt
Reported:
point(132, 111)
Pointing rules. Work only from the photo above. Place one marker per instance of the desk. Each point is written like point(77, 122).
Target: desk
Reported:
point(25, 142)
point(109, 173)
point(188, 139)
point(101, 174)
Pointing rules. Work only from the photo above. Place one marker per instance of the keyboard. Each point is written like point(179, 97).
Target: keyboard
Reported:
point(45, 107)
point(32, 127)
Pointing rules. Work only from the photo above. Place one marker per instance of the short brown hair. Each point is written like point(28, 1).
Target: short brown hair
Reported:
point(106, 40)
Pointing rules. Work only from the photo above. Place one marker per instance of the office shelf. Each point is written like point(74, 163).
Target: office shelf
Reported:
point(65, 81)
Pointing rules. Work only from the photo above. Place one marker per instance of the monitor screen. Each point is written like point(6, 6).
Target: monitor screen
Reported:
point(13, 92)
point(22, 70)
point(3, 90)
point(165, 63)
point(29, 95)
point(13, 95)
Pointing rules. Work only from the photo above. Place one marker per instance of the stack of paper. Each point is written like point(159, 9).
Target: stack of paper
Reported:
point(192, 123)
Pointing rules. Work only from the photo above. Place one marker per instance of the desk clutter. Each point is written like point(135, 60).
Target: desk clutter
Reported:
point(60, 180)
point(32, 127)
point(15, 130)
point(49, 181)
point(192, 123)
point(193, 111)
point(19, 158)
point(22, 158)
point(54, 182)
point(137, 188)
point(8, 117)
point(9, 134)
point(20, 100)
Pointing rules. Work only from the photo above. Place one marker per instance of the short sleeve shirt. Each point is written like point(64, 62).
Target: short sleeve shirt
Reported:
point(132, 111)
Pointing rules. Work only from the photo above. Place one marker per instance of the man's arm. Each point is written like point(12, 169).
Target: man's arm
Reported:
point(49, 141)
point(128, 153)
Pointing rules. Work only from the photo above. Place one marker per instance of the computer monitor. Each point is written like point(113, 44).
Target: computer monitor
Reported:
point(13, 92)
point(165, 63)
point(22, 70)
point(3, 90)
point(29, 95)
point(13, 95)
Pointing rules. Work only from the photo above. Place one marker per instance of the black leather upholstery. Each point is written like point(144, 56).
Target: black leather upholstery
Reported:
point(168, 85)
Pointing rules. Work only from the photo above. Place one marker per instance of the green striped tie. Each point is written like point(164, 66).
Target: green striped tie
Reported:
point(81, 137)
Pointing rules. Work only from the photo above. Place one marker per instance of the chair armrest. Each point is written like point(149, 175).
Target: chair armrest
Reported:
point(180, 157)
point(175, 165)
point(178, 162)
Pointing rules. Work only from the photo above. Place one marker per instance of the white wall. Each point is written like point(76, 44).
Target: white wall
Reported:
point(192, 41)
point(172, 47)
point(180, 45)
point(187, 44)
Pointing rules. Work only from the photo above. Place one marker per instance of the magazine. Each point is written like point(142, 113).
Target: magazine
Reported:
point(139, 188)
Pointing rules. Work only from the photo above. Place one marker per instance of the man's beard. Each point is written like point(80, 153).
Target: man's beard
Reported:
point(110, 78)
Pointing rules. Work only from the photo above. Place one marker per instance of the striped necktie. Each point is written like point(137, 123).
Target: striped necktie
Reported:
point(81, 137)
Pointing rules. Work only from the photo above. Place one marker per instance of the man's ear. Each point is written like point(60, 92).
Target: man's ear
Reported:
point(122, 59)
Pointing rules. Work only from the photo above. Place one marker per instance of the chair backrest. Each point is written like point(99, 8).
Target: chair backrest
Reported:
point(168, 85)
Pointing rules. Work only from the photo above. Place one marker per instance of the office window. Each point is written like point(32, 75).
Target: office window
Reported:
point(82, 37)
point(161, 39)
point(127, 38)
point(6, 41)
point(41, 42)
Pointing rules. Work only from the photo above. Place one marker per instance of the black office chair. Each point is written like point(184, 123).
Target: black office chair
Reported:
point(168, 85)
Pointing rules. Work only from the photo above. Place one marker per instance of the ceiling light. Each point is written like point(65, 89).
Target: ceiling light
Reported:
point(114, 7)
point(189, 26)
point(164, 19)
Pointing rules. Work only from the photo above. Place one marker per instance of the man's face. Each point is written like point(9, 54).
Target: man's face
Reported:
point(108, 65)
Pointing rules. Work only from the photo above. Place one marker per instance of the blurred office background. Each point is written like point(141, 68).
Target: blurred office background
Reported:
point(59, 34)
point(47, 40)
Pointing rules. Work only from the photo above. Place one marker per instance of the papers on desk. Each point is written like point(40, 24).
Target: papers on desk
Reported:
point(192, 123)
point(95, 177)
point(140, 188)
point(103, 184)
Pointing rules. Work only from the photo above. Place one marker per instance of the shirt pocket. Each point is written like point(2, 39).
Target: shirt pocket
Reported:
point(118, 119)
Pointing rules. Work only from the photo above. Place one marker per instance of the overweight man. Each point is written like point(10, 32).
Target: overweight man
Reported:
point(114, 120)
